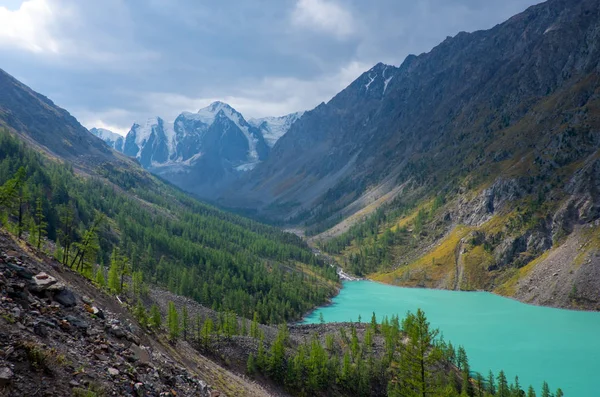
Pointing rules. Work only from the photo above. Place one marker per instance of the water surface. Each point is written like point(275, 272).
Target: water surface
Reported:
point(536, 343)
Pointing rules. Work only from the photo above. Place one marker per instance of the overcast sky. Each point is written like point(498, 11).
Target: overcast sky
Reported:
point(113, 62)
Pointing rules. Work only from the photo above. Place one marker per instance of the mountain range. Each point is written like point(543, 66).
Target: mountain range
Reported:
point(472, 166)
point(201, 151)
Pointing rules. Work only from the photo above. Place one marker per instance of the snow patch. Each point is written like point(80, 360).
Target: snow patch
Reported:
point(372, 79)
point(273, 128)
point(386, 82)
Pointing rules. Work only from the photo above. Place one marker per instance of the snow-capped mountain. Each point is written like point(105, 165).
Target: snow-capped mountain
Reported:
point(112, 139)
point(201, 150)
point(273, 128)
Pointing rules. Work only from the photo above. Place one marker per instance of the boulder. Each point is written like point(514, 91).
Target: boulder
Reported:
point(118, 331)
point(20, 270)
point(140, 354)
point(113, 371)
point(40, 282)
point(77, 322)
point(66, 298)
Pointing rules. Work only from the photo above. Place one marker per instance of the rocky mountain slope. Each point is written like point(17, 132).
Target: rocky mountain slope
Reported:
point(60, 335)
point(473, 166)
point(200, 152)
point(39, 122)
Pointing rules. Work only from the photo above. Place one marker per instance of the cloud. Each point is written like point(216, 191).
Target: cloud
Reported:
point(28, 27)
point(325, 16)
point(113, 62)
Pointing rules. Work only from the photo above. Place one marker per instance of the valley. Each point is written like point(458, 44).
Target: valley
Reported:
point(421, 233)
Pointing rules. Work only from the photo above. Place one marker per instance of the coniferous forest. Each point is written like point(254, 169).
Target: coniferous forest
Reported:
point(157, 234)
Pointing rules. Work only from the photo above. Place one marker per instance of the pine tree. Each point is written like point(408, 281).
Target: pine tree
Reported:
point(67, 221)
point(251, 364)
point(502, 385)
point(207, 330)
point(173, 322)
point(140, 313)
point(491, 384)
point(114, 280)
point(480, 385)
point(417, 357)
point(516, 389)
point(276, 362)
point(155, 317)
point(100, 280)
point(374, 323)
point(254, 326)
point(545, 390)
point(530, 392)
point(40, 223)
point(559, 393)
point(185, 320)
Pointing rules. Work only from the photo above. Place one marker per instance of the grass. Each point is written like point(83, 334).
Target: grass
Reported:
point(43, 359)
point(432, 268)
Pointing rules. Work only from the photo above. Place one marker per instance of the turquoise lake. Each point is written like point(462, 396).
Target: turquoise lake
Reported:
point(535, 343)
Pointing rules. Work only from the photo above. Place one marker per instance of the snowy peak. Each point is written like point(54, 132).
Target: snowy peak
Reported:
point(112, 139)
point(273, 128)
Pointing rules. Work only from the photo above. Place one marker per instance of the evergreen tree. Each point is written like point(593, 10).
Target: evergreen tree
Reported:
point(480, 385)
point(40, 223)
point(276, 364)
point(418, 356)
point(100, 280)
point(559, 393)
point(254, 326)
point(374, 323)
point(545, 390)
point(185, 320)
point(503, 390)
point(173, 322)
point(251, 364)
point(207, 330)
point(491, 383)
point(155, 317)
point(530, 392)
point(114, 279)
point(516, 389)
point(140, 314)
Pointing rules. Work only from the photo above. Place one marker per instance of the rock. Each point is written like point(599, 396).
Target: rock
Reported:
point(20, 270)
point(118, 331)
point(66, 298)
point(101, 357)
point(56, 287)
point(41, 282)
point(97, 312)
point(140, 354)
point(139, 389)
point(86, 300)
point(215, 393)
point(16, 312)
point(40, 330)
point(77, 322)
point(6, 375)
point(113, 371)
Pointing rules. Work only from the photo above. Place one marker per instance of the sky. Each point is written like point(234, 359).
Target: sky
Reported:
point(114, 62)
